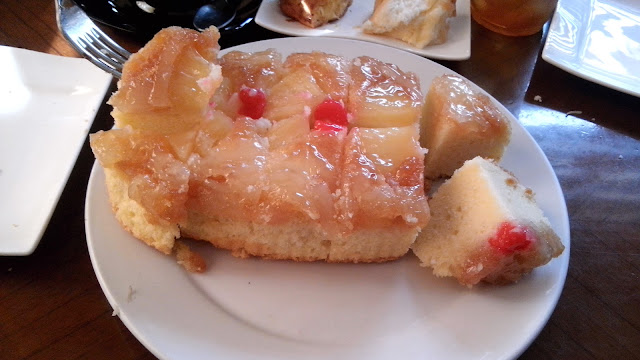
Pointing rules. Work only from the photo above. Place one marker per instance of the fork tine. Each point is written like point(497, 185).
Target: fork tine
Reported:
point(99, 45)
point(104, 54)
point(103, 38)
point(87, 39)
point(99, 58)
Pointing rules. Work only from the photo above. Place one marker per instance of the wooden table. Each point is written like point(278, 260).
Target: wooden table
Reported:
point(51, 306)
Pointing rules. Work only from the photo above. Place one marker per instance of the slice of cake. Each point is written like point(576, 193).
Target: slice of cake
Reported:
point(264, 156)
point(458, 124)
point(417, 22)
point(314, 13)
point(485, 226)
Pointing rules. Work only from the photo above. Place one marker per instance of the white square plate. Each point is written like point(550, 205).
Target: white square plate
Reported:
point(597, 40)
point(457, 47)
point(47, 105)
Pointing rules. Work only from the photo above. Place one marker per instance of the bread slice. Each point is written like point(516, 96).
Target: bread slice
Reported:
point(485, 226)
point(417, 22)
point(314, 13)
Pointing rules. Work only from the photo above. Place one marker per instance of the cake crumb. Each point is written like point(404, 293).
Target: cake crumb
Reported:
point(131, 294)
point(10, 269)
point(263, 125)
point(537, 98)
point(620, 157)
point(116, 311)
point(573, 112)
point(511, 182)
point(189, 259)
point(528, 193)
point(410, 219)
point(240, 253)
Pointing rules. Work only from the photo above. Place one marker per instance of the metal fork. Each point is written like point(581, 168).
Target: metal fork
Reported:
point(87, 39)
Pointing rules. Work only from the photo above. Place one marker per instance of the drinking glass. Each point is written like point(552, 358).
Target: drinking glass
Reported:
point(513, 17)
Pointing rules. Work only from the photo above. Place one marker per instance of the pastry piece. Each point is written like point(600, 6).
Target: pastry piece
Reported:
point(458, 124)
point(189, 259)
point(267, 161)
point(485, 226)
point(314, 13)
point(417, 22)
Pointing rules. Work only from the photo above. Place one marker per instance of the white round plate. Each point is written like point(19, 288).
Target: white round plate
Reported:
point(457, 46)
point(244, 309)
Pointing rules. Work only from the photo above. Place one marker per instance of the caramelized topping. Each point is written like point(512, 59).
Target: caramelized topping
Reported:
point(257, 70)
point(158, 181)
point(376, 194)
point(470, 104)
point(268, 142)
point(381, 95)
point(330, 72)
point(166, 86)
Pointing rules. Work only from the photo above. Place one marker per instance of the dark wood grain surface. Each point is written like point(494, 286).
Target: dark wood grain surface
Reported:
point(52, 307)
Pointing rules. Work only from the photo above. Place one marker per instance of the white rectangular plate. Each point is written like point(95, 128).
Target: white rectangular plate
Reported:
point(457, 47)
point(597, 40)
point(47, 105)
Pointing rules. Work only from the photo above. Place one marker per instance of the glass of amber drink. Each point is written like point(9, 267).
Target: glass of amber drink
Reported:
point(513, 17)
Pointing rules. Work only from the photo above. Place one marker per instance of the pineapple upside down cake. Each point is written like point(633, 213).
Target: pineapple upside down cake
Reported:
point(308, 157)
point(312, 157)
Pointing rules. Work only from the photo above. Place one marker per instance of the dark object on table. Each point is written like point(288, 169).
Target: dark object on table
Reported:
point(145, 18)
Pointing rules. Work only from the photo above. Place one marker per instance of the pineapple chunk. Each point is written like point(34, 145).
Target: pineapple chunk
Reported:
point(288, 131)
point(212, 131)
point(381, 95)
point(331, 72)
point(390, 147)
point(166, 86)
point(380, 184)
point(297, 93)
point(259, 70)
